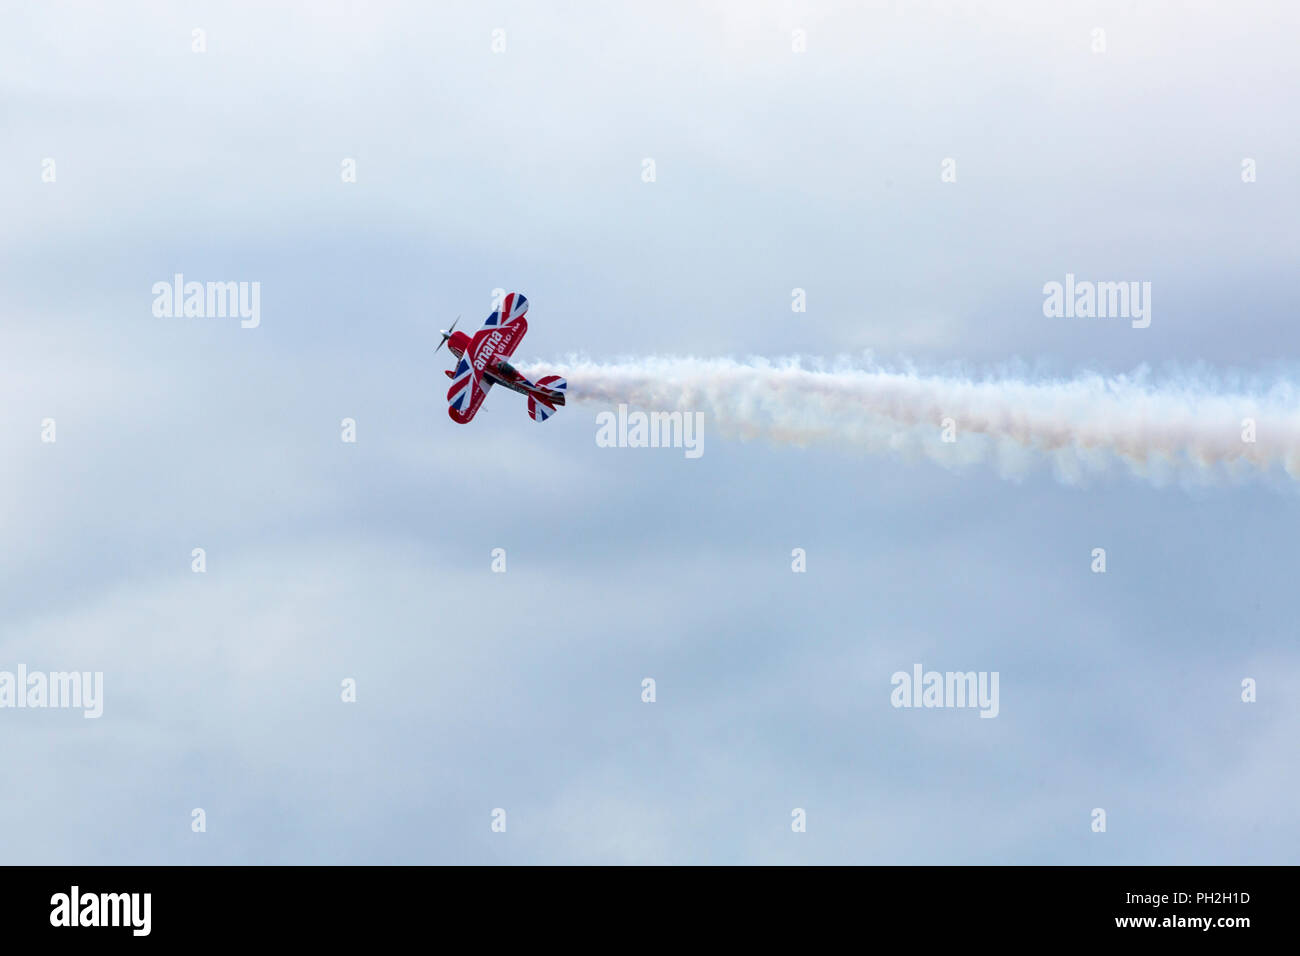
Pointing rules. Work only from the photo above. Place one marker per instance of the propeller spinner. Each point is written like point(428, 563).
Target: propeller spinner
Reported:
point(446, 333)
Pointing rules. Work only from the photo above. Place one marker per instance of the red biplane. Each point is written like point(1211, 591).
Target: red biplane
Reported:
point(483, 363)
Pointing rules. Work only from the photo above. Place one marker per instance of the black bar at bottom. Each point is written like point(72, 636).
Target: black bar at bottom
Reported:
point(658, 905)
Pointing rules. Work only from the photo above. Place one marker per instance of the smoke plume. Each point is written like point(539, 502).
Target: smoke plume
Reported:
point(1186, 428)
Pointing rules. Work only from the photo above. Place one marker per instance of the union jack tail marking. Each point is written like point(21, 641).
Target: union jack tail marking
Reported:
point(539, 409)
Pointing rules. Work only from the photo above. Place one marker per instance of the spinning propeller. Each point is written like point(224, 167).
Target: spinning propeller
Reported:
point(446, 334)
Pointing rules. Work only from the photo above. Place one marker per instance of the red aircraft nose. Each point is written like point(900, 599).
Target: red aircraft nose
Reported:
point(458, 342)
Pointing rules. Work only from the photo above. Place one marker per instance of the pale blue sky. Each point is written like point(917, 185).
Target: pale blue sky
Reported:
point(523, 170)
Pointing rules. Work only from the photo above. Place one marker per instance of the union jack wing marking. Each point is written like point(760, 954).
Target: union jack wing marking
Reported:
point(462, 382)
point(513, 307)
point(466, 394)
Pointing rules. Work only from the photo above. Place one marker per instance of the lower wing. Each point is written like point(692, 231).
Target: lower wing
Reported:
point(466, 394)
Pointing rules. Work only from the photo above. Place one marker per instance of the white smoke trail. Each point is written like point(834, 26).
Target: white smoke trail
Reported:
point(1187, 429)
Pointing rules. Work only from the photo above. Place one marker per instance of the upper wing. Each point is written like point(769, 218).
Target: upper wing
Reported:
point(467, 392)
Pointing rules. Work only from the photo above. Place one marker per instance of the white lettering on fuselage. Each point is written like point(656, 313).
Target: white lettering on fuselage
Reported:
point(488, 349)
